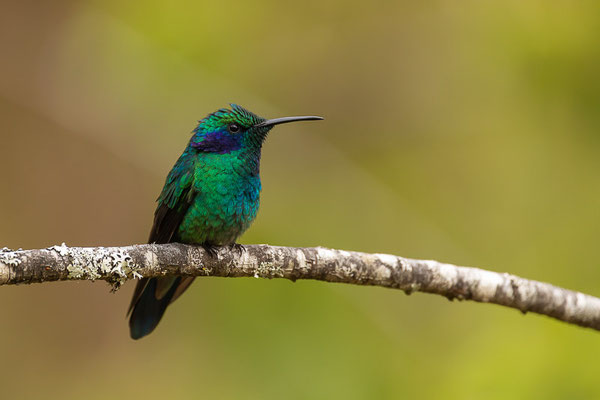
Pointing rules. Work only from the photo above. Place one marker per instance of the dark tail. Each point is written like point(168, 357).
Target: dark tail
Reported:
point(150, 300)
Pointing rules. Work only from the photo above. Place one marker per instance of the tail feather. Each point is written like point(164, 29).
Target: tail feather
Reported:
point(147, 308)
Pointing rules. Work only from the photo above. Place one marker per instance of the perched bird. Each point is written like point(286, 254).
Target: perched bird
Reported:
point(210, 198)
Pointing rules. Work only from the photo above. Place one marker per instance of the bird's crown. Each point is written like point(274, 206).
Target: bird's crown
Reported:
point(224, 116)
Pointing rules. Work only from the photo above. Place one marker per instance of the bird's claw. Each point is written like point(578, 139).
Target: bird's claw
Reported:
point(239, 248)
point(211, 250)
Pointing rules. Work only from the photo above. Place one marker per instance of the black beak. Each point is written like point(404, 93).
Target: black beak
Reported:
point(285, 120)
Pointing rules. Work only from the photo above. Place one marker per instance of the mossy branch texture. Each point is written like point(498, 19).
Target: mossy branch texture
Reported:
point(116, 265)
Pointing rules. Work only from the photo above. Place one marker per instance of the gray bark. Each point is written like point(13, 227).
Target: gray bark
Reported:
point(119, 264)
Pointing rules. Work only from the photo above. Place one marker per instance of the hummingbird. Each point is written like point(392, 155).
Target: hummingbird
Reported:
point(210, 197)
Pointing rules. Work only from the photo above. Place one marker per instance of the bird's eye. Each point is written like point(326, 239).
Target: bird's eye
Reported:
point(234, 128)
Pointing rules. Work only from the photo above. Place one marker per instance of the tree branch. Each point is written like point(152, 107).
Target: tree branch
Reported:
point(118, 264)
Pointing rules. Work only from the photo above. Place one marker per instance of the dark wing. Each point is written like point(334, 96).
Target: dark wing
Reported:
point(173, 203)
point(166, 223)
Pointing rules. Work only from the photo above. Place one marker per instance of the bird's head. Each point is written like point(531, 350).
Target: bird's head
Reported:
point(228, 130)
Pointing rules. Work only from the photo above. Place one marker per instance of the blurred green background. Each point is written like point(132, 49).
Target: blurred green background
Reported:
point(460, 131)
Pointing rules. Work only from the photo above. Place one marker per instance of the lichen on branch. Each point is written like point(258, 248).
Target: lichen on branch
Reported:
point(116, 265)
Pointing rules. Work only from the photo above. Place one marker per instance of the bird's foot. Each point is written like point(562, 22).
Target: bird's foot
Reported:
point(211, 250)
point(239, 248)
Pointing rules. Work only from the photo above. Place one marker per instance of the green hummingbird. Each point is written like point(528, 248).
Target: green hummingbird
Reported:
point(210, 197)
